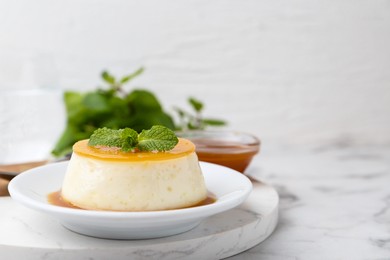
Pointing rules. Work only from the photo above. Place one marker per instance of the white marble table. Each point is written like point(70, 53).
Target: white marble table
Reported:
point(334, 203)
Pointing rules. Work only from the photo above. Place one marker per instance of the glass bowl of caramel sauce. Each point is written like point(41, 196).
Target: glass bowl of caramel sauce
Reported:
point(233, 149)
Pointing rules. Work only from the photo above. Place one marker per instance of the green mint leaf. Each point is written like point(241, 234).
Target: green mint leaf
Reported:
point(180, 112)
point(131, 76)
point(130, 138)
point(64, 144)
point(196, 104)
point(108, 78)
point(213, 122)
point(96, 101)
point(143, 100)
point(106, 137)
point(158, 138)
point(126, 139)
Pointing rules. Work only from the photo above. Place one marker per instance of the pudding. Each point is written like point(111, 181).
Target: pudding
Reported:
point(106, 178)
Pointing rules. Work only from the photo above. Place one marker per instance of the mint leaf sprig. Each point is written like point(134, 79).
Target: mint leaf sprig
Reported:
point(195, 120)
point(115, 84)
point(158, 138)
point(114, 107)
point(110, 106)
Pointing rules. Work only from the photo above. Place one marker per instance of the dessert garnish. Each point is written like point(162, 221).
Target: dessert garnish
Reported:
point(157, 139)
point(115, 107)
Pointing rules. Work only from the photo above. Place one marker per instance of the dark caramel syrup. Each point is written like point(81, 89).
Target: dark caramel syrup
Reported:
point(56, 199)
point(231, 154)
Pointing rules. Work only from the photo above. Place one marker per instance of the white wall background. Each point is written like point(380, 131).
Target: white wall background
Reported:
point(292, 72)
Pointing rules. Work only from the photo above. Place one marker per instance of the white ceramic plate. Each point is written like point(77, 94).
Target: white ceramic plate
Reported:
point(32, 187)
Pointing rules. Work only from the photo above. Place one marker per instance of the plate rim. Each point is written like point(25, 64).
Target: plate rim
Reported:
point(186, 213)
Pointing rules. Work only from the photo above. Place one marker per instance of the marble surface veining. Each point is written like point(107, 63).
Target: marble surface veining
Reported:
point(334, 203)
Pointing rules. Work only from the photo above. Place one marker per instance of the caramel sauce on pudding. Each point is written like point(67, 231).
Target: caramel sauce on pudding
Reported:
point(56, 199)
point(183, 148)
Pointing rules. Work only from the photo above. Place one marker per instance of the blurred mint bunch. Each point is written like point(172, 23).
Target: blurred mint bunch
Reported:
point(113, 107)
point(195, 120)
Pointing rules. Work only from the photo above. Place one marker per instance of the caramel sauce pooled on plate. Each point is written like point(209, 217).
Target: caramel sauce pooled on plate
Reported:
point(56, 199)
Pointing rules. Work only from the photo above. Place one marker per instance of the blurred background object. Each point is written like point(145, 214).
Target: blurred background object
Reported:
point(290, 72)
point(31, 107)
point(229, 148)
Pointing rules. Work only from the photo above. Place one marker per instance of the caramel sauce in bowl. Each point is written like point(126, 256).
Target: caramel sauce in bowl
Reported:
point(228, 148)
